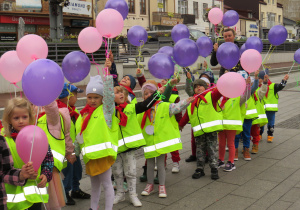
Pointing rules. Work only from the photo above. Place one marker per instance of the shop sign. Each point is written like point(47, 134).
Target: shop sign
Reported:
point(166, 21)
point(27, 20)
point(8, 27)
point(80, 23)
point(8, 37)
point(79, 7)
point(29, 4)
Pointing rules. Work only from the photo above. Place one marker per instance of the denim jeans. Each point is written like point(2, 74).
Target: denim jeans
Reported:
point(245, 134)
point(73, 174)
point(271, 123)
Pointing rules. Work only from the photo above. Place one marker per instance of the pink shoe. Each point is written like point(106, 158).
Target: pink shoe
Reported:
point(162, 191)
point(148, 189)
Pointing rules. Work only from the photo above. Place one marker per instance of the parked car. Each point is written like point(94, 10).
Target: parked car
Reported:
point(291, 40)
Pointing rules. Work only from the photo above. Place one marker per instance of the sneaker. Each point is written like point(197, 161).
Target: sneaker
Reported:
point(214, 174)
point(135, 200)
point(119, 197)
point(162, 191)
point(221, 164)
point(226, 148)
point(270, 139)
point(236, 156)
point(192, 158)
point(254, 149)
point(148, 189)
point(70, 201)
point(198, 173)
point(175, 168)
point(229, 166)
point(155, 168)
point(79, 194)
point(246, 154)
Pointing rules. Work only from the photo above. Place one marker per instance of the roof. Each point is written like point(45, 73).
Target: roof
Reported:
point(279, 5)
point(262, 2)
point(243, 14)
point(287, 21)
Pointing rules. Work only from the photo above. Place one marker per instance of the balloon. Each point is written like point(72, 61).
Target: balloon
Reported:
point(231, 85)
point(205, 46)
point(32, 47)
point(180, 31)
point(251, 60)
point(215, 15)
point(166, 50)
point(277, 35)
point(228, 55)
point(137, 36)
point(76, 66)
point(161, 66)
point(185, 52)
point(11, 67)
point(40, 145)
point(297, 56)
point(42, 82)
point(243, 48)
point(109, 23)
point(230, 18)
point(254, 43)
point(89, 40)
point(120, 5)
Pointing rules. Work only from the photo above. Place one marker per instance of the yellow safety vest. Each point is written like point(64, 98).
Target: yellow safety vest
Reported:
point(173, 98)
point(262, 117)
point(271, 102)
point(232, 117)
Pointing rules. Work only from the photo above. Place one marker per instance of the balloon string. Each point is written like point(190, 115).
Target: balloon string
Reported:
point(206, 91)
point(292, 66)
point(15, 91)
point(207, 66)
point(37, 115)
point(41, 195)
point(139, 57)
point(269, 57)
point(263, 62)
point(93, 62)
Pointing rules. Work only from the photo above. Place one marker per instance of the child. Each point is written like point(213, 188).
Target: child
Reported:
point(9, 174)
point(73, 172)
point(97, 134)
point(130, 139)
point(232, 123)
point(17, 115)
point(206, 122)
point(249, 113)
point(262, 117)
point(162, 136)
point(270, 102)
point(112, 67)
point(129, 83)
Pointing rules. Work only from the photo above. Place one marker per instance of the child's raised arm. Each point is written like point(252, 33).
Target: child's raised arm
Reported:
point(108, 99)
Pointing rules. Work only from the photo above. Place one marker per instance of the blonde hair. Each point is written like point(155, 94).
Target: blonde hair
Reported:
point(125, 91)
point(8, 112)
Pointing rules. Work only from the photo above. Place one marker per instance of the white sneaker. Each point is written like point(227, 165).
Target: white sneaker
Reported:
point(135, 200)
point(226, 148)
point(162, 191)
point(119, 197)
point(155, 168)
point(175, 168)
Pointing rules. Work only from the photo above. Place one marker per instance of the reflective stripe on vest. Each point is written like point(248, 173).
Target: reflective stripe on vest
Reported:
point(207, 125)
point(15, 198)
point(271, 106)
point(99, 147)
point(252, 111)
point(232, 122)
point(162, 145)
point(35, 190)
point(130, 139)
point(58, 156)
point(262, 116)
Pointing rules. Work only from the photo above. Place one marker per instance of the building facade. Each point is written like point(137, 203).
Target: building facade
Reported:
point(291, 9)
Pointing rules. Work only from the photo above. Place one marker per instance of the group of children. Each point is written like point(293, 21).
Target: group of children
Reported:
point(113, 125)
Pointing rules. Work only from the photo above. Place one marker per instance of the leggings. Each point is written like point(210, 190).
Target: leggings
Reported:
point(229, 136)
point(105, 180)
point(160, 168)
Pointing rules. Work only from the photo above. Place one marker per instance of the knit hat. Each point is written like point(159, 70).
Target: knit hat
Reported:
point(148, 85)
point(205, 79)
point(132, 81)
point(210, 76)
point(243, 73)
point(95, 85)
point(200, 82)
point(67, 89)
point(262, 74)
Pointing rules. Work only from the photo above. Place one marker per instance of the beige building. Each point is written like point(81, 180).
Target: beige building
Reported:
point(291, 9)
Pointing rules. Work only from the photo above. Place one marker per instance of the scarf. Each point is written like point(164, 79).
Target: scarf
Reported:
point(269, 83)
point(71, 109)
point(14, 134)
point(147, 114)
point(255, 97)
point(224, 100)
point(123, 117)
point(1, 126)
point(128, 89)
point(197, 101)
point(41, 115)
point(86, 110)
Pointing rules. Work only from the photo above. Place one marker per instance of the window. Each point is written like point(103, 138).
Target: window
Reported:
point(279, 19)
point(262, 16)
point(205, 6)
point(182, 7)
point(250, 15)
point(143, 7)
point(268, 1)
point(161, 5)
point(131, 6)
point(196, 10)
point(273, 2)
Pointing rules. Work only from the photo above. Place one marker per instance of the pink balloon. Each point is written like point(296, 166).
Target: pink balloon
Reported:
point(40, 146)
point(89, 40)
point(251, 60)
point(215, 15)
point(11, 67)
point(231, 85)
point(109, 23)
point(32, 47)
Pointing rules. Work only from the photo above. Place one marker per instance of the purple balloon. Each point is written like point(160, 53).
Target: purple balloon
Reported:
point(277, 35)
point(76, 66)
point(205, 46)
point(243, 48)
point(185, 52)
point(137, 36)
point(180, 31)
point(161, 66)
point(120, 5)
point(42, 82)
point(230, 18)
point(228, 55)
point(166, 50)
point(297, 56)
point(254, 43)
